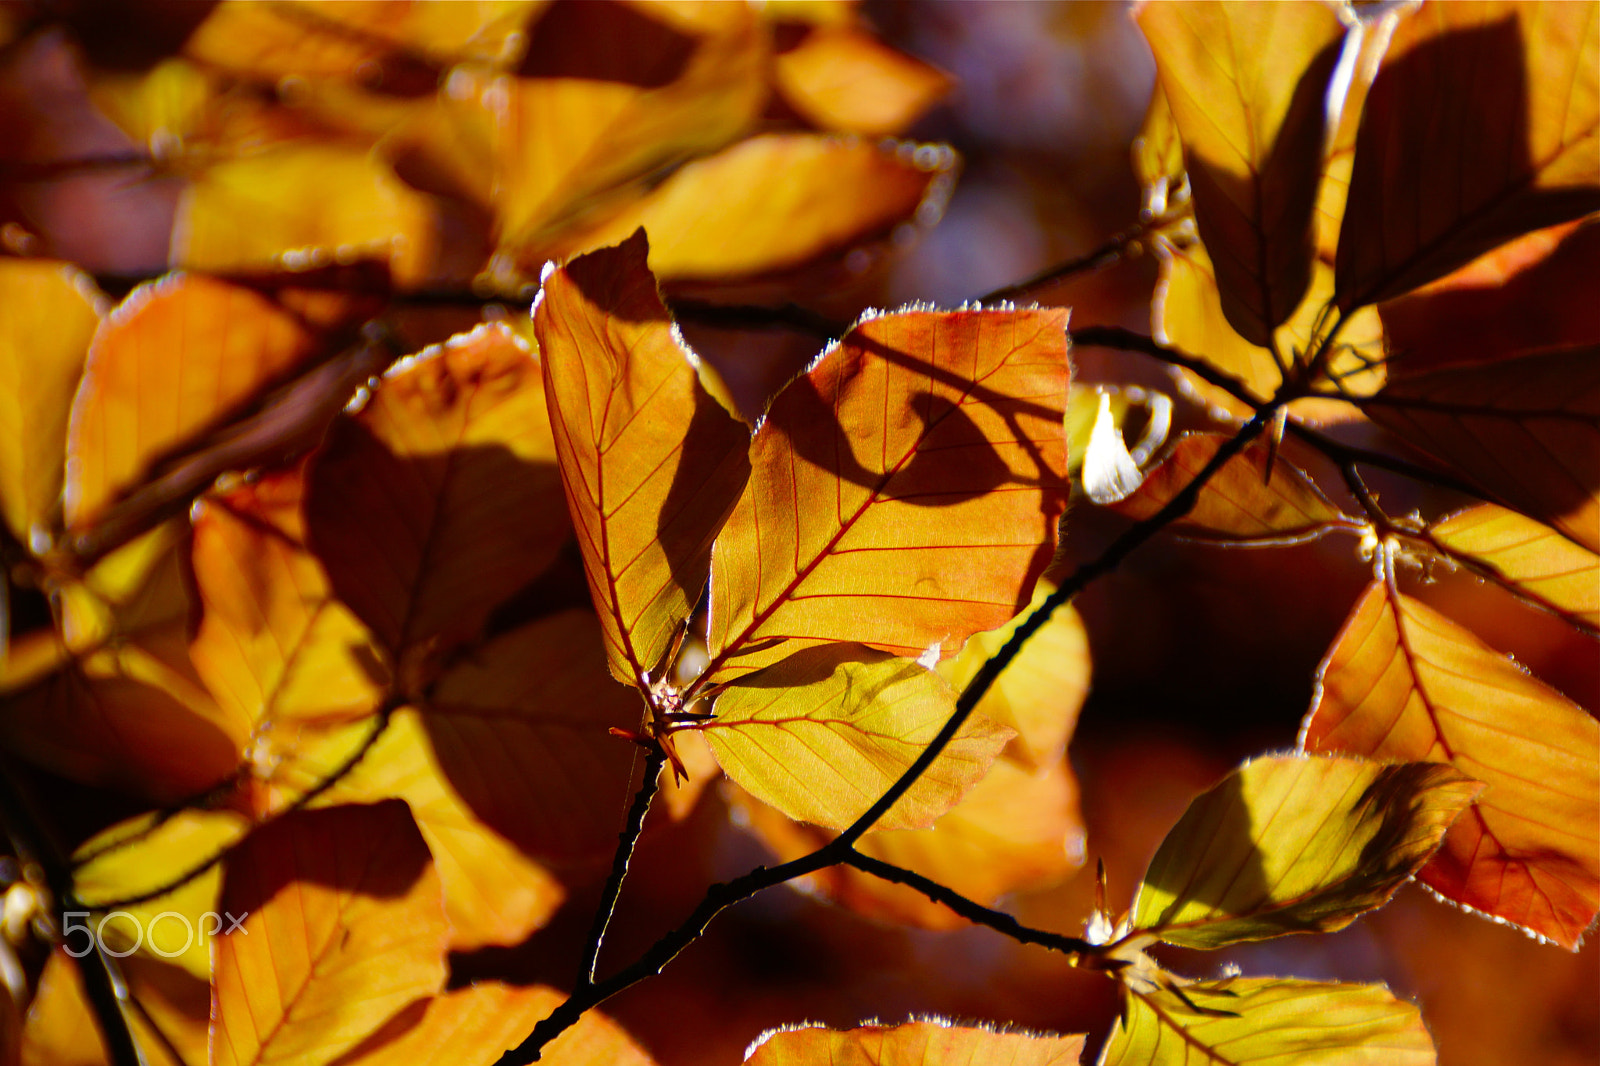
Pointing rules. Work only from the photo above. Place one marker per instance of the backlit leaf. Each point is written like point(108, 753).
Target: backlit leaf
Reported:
point(774, 202)
point(1403, 682)
point(273, 642)
point(1238, 505)
point(478, 1023)
point(1527, 430)
point(843, 78)
point(441, 498)
point(1246, 84)
point(924, 1043)
point(1531, 559)
point(651, 463)
point(1277, 1020)
point(824, 733)
point(344, 929)
point(1518, 149)
point(1296, 845)
point(48, 312)
point(904, 491)
point(61, 1029)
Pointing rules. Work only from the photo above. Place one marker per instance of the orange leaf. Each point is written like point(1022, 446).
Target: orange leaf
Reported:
point(439, 499)
point(344, 929)
point(775, 202)
point(61, 1031)
point(1527, 430)
point(904, 491)
point(479, 1022)
point(1519, 146)
point(1238, 505)
point(1403, 682)
point(924, 1043)
point(1246, 84)
point(1531, 559)
point(651, 463)
point(824, 733)
point(843, 78)
point(48, 312)
point(521, 732)
point(273, 642)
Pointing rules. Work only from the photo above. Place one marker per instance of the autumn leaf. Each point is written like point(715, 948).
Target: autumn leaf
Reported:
point(1293, 845)
point(1532, 560)
point(439, 499)
point(168, 1024)
point(1246, 84)
point(48, 313)
point(1519, 147)
point(1402, 682)
point(824, 733)
point(651, 463)
point(1527, 430)
point(1263, 1020)
point(1239, 504)
point(904, 492)
point(921, 1043)
point(344, 929)
point(843, 78)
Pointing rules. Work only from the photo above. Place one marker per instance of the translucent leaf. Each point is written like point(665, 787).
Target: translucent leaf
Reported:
point(1296, 845)
point(479, 1022)
point(1519, 148)
point(904, 491)
point(303, 204)
point(1239, 505)
point(651, 463)
point(494, 894)
point(1527, 430)
point(48, 312)
point(775, 202)
point(60, 1029)
point(1530, 559)
point(824, 733)
point(441, 498)
point(344, 930)
point(1110, 472)
point(1247, 85)
point(1269, 1020)
point(1404, 682)
point(273, 642)
point(923, 1043)
point(843, 78)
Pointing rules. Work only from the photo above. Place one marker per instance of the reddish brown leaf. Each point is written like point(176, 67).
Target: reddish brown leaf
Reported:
point(904, 491)
point(1517, 149)
point(1527, 430)
point(924, 1043)
point(344, 929)
point(1403, 682)
point(651, 463)
point(1531, 559)
point(440, 498)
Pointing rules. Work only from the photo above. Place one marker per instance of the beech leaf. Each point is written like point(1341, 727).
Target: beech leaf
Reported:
point(920, 1043)
point(651, 463)
point(1403, 682)
point(843, 78)
point(822, 734)
point(1532, 560)
point(904, 492)
point(1519, 147)
point(1296, 845)
point(1262, 1020)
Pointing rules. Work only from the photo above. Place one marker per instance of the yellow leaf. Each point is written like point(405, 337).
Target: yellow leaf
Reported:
point(1531, 559)
point(824, 733)
point(924, 1043)
point(843, 78)
point(171, 1016)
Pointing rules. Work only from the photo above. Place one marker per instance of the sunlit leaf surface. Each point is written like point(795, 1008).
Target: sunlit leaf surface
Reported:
point(843, 78)
point(1239, 505)
point(1277, 1021)
point(1531, 559)
point(926, 1043)
point(61, 1029)
point(1246, 85)
point(1518, 148)
point(345, 928)
point(652, 464)
point(904, 491)
point(1296, 845)
point(824, 733)
point(1404, 682)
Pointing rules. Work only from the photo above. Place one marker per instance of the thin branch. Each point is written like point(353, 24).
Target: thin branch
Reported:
point(626, 840)
point(1125, 244)
point(1126, 340)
